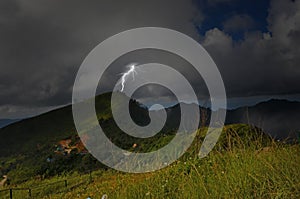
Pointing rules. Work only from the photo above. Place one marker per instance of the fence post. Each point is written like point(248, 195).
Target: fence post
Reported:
point(29, 192)
point(90, 178)
point(66, 183)
point(10, 193)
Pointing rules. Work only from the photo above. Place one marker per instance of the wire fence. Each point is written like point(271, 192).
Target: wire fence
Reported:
point(37, 191)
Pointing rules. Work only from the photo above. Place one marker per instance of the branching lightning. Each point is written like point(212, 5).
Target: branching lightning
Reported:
point(132, 70)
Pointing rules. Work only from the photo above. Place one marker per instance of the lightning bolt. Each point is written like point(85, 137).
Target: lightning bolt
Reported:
point(132, 70)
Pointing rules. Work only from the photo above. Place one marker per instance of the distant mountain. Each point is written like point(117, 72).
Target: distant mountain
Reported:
point(6, 122)
point(279, 118)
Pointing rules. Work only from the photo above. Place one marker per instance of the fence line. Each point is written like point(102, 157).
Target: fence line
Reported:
point(16, 189)
point(30, 189)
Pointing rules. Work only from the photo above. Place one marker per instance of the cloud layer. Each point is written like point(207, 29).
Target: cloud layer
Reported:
point(263, 63)
point(43, 43)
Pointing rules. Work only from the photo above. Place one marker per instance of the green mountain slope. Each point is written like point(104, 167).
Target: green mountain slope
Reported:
point(31, 147)
point(44, 130)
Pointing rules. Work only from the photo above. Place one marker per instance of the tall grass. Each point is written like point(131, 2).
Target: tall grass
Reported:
point(238, 174)
point(244, 164)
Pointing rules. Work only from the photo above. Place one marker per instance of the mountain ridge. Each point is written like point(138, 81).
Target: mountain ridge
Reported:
point(58, 124)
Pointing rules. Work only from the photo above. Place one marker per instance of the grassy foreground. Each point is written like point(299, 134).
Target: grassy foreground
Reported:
point(241, 171)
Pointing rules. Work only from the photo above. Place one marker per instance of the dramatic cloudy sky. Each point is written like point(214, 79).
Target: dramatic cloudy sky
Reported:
point(43, 42)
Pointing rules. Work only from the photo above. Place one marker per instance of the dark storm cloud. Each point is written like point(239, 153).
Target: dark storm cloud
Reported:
point(34, 64)
point(43, 42)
